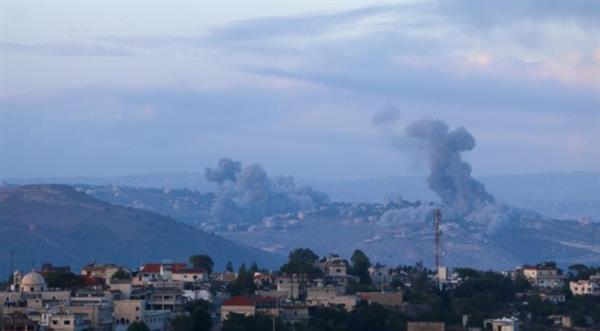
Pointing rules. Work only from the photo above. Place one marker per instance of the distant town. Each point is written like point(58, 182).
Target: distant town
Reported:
point(307, 293)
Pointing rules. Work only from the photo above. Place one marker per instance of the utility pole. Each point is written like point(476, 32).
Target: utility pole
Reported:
point(437, 218)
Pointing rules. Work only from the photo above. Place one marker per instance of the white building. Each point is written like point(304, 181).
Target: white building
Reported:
point(502, 324)
point(543, 276)
point(584, 287)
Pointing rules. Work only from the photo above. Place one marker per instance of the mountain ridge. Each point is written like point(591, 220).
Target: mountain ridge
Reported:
point(56, 223)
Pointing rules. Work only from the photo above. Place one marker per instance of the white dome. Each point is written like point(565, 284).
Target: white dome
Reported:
point(33, 279)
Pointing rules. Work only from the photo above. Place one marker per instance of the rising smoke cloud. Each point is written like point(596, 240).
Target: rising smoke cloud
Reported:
point(248, 194)
point(464, 199)
point(450, 175)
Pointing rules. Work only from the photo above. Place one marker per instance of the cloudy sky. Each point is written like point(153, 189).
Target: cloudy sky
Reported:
point(92, 88)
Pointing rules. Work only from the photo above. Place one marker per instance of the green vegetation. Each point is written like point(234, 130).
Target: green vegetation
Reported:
point(360, 267)
point(243, 284)
point(364, 318)
point(121, 274)
point(202, 262)
point(301, 261)
point(197, 317)
point(258, 322)
point(138, 326)
point(64, 280)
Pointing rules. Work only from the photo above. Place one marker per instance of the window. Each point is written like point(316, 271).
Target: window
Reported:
point(67, 322)
point(54, 322)
point(137, 308)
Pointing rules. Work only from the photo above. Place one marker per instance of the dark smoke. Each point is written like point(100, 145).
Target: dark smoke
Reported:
point(248, 194)
point(226, 171)
point(449, 175)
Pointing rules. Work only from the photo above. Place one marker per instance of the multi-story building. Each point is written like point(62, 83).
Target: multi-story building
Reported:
point(160, 271)
point(585, 287)
point(543, 276)
point(238, 305)
point(103, 271)
point(189, 275)
point(64, 321)
point(129, 311)
point(334, 266)
point(97, 310)
point(290, 285)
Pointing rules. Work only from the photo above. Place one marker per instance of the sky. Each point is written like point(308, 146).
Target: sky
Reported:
point(90, 88)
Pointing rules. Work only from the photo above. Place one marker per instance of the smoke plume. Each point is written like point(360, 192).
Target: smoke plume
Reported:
point(449, 175)
point(248, 194)
point(464, 199)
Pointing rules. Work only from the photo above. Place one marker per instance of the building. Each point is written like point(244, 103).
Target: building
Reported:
point(543, 276)
point(425, 326)
point(238, 305)
point(290, 285)
point(585, 287)
point(103, 271)
point(225, 277)
point(388, 299)
point(32, 282)
point(98, 311)
point(330, 296)
point(159, 271)
point(333, 266)
point(501, 324)
point(165, 299)
point(565, 321)
point(189, 275)
point(64, 321)
point(50, 268)
point(381, 275)
point(18, 321)
point(293, 313)
point(30, 293)
point(553, 297)
point(129, 311)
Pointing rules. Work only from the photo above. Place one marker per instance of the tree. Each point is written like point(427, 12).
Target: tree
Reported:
point(121, 274)
point(182, 323)
point(138, 326)
point(229, 267)
point(243, 284)
point(302, 255)
point(202, 262)
point(257, 322)
point(302, 261)
point(197, 317)
point(360, 266)
point(64, 280)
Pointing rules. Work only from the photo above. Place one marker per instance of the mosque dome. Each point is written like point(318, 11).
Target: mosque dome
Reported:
point(33, 282)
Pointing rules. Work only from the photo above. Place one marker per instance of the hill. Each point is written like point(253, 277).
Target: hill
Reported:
point(59, 224)
point(557, 195)
point(342, 227)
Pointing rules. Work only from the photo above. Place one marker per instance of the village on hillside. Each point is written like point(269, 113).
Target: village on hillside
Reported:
point(307, 293)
